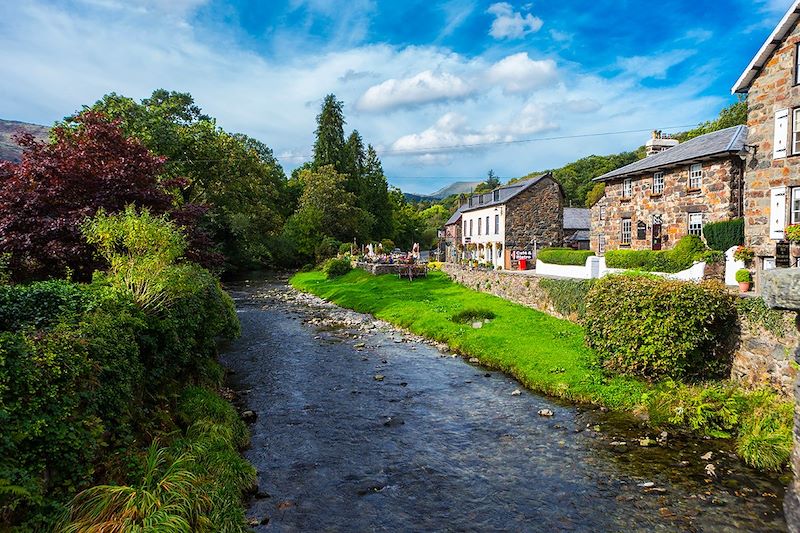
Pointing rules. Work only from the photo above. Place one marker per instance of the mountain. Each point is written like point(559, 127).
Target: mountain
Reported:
point(9, 150)
point(454, 188)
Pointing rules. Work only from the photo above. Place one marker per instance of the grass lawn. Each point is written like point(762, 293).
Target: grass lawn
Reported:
point(548, 355)
point(544, 353)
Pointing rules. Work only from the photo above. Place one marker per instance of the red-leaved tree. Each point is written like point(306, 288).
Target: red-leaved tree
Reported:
point(45, 198)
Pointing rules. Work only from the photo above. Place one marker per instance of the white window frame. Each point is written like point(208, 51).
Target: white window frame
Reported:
point(795, 206)
point(497, 224)
point(602, 212)
point(695, 176)
point(658, 183)
point(796, 131)
point(627, 188)
point(626, 235)
point(601, 244)
point(693, 227)
point(496, 195)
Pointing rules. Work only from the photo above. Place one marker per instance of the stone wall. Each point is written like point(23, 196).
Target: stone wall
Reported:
point(535, 214)
point(761, 357)
point(772, 90)
point(717, 198)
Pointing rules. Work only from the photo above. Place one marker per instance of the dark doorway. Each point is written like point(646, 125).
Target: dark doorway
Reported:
point(656, 236)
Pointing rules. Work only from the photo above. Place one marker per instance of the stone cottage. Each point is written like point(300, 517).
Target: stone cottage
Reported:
point(679, 187)
point(452, 237)
point(511, 222)
point(577, 222)
point(772, 173)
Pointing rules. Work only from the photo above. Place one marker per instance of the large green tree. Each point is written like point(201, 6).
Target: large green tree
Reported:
point(235, 176)
point(329, 145)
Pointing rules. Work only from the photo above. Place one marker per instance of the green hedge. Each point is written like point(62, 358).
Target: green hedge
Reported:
point(79, 379)
point(568, 296)
point(657, 328)
point(724, 235)
point(564, 256)
point(336, 267)
point(687, 250)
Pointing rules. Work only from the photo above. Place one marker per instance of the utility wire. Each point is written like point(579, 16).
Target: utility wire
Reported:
point(436, 149)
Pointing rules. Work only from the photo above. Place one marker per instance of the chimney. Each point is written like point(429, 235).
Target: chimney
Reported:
point(659, 142)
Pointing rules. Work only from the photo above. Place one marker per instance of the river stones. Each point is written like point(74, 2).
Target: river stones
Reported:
point(545, 412)
point(249, 416)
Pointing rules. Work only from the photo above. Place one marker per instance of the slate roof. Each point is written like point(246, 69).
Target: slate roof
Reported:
point(577, 218)
point(765, 52)
point(506, 193)
point(580, 235)
point(455, 216)
point(718, 143)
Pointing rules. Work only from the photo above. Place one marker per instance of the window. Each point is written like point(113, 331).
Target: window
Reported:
point(695, 176)
point(796, 205)
point(496, 195)
point(480, 199)
point(601, 244)
point(696, 224)
point(479, 225)
point(470, 201)
point(487, 224)
point(625, 237)
point(602, 212)
point(797, 64)
point(465, 228)
point(470, 227)
point(796, 131)
point(497, 223)
point(658, 183)
point(627, 188)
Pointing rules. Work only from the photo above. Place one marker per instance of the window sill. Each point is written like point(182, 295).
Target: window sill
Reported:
point(693, 191)
point(656, 194)
point(625, 199)
point(624, 245)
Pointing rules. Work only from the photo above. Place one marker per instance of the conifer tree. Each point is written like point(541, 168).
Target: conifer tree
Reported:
point(329, 146)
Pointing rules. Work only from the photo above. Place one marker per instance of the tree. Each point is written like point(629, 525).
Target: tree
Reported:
point(733, 115)
point(375, 196)
point(236, 177)
point(491, 183)
point(356, 160)
point(327, 210)
point(87, 166)
point(594, 195)
point(329, 145)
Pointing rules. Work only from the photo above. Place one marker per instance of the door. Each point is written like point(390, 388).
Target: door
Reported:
point(656, 232)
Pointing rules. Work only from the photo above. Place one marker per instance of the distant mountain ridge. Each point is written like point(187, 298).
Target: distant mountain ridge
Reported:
point(9, 149)
point(457, 187)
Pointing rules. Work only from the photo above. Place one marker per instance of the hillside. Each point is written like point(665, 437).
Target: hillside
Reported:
point(457, 187)
point(9, 150)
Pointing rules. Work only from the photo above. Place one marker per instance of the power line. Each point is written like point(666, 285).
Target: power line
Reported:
point(439, 149)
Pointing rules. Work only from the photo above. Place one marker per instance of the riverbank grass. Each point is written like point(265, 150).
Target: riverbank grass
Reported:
point(549, 355)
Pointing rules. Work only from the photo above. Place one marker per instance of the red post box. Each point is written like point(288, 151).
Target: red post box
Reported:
point(523, 264)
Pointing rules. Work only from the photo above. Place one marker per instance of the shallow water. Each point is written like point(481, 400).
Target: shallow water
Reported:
point(440, 444)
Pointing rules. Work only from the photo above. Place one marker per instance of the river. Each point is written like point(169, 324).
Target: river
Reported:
point(361, 427)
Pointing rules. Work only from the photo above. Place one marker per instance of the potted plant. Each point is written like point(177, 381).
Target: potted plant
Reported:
point(792, 234)
point(744, 254)
point(744, 278)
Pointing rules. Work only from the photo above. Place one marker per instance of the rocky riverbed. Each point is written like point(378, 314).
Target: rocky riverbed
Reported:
point(359, 426)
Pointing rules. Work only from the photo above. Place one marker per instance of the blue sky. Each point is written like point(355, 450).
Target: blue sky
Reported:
point(419, 79)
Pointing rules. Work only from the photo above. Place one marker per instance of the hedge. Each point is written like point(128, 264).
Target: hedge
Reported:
point(656, 328)
point(564, 256)
point(724, 235)
point(79, 380)
point(568, 296)
point(687, 250)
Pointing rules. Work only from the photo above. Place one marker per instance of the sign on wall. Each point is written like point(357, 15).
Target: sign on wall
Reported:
point(777, 212)
point(641, 230)
point(516, 255)
point(782, 258)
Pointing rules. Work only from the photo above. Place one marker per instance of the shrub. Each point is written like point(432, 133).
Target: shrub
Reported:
point(40, 304)
point(792, 233)
point(564, 256)
point(345, 248)
point(744, 254)
point(336, 267)
point(388, 245)
point(755, 311)
point(724, 235)
point(686, 251)
point(568, 296)
point(657, 328)
point(328, 247)
point(468, 316)
point(743, 276)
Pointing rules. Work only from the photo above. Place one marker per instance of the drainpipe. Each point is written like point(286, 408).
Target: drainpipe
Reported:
point(781, 290)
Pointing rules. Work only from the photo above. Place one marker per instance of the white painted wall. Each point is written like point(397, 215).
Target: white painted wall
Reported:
point(731, 266)
point(596, 267)
point(498, 238)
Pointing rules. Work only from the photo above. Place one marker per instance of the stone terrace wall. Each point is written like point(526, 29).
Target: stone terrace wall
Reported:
point(761, 357)
point(378, 269)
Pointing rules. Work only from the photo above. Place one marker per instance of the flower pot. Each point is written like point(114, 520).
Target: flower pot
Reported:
point(744, 286)
point(795, 249)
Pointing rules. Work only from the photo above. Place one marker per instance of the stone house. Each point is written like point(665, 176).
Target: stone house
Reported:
point(577, 222)
point(772, 175)
point(452, 237)
point(512, 222)
point(679, 187)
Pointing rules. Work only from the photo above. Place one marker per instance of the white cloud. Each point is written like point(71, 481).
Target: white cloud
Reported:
point(560, 36)
point(510, 24)
point(654, 66)
point(425, 87)
point(519, 73)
